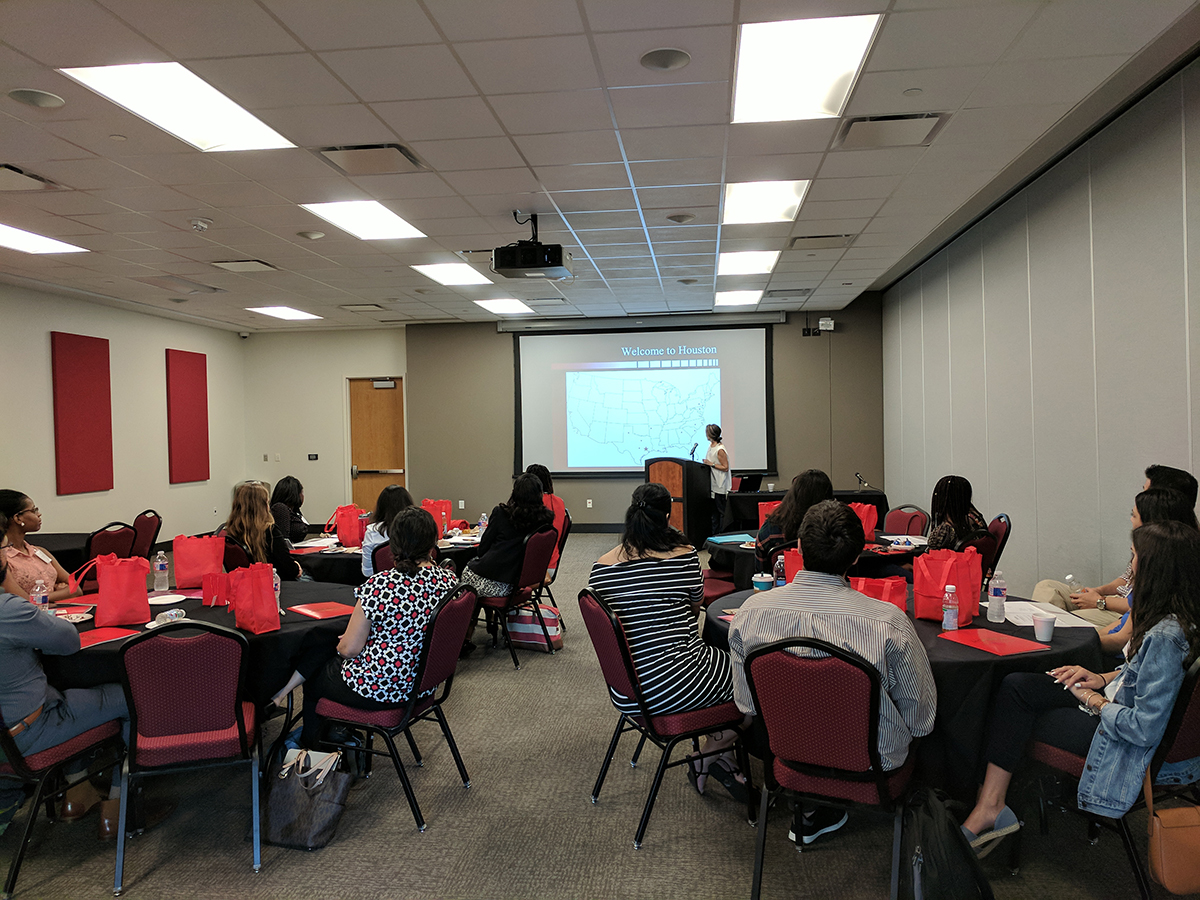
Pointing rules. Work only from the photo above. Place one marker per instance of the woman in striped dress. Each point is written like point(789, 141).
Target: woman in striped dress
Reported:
point(652, 582)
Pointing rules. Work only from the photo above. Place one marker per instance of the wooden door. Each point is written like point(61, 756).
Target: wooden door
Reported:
point(376, 437)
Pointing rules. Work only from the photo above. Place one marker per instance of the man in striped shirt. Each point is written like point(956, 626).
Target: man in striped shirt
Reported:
point(819, 603)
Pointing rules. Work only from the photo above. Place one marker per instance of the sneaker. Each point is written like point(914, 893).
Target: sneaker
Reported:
point(822, 820)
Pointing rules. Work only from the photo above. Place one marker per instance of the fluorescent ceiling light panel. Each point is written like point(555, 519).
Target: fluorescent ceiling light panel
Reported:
point(802, 69)
point(183, 104)
point(748, 262)
point(754, 202)
point(282, 312)
point(452, 274)
point(368, 220)
point(737, 298)
point(28, 242)
point(504, 307)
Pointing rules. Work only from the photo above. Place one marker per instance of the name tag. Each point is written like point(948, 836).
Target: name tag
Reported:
point(43, 556)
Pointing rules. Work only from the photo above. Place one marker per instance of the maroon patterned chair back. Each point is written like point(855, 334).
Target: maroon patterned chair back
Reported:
point(910, 520)
point(986, 547)
point(999, 528)
point(539, 547)
point(1181, 741)
point(382, 559)
point(447, 632)
point(236, 555)
point(146, 527)
point(115, 537)
point(562, 540)
point(608, 639)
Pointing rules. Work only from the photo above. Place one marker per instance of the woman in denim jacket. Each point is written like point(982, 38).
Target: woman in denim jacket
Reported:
point(1116, 719)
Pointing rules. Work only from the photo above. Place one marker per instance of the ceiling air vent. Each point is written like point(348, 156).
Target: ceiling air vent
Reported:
point(821, 242)
point(245, 265)
point(177, 285)
point(14, 179)
point(875, 132)
point(788, 294)
point(373, 159)
point(362, 307)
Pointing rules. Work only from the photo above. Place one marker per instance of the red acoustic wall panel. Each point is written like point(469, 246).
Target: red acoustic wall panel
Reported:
point(83, 449)
point(187, 416)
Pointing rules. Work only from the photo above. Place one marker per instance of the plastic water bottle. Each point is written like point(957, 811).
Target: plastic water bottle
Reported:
point(1073, 586)
point(444, 524)
point(950, 609)
point(40, 595)
point(997, 594)
point(780, 572)
point(161, 582)
point(275, 581)
point(482, 524)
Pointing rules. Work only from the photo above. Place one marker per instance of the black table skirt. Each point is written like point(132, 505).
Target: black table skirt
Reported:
point(66, 546)
point(740, 560)
point(952, 757)
point(346, 567)
point(741, 509)
point(272, 655)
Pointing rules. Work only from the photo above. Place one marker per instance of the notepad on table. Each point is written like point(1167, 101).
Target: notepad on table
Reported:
point(103, 635)
point(329, 610)
point(992, 641)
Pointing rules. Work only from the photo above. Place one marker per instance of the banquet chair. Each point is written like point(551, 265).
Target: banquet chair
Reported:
point(185, 686)
point(556, 557)
point(986, 547)
point(620, 674)
point(716, 587)
point(45, 771)
point(146, 527)
point(821, 718)
point(999, 529)
point(381, 558)
point(527, 592)
point(115, 537)
point(906, 519)
point(236, 555)
point(444, 636)
point(1181, 741)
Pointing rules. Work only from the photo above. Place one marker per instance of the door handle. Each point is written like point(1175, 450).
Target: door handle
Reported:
point(355, 471)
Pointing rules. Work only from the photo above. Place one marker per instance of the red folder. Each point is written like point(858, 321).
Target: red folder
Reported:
point(71, 610)
point(993, 641)
point(103, 635)
point(302, 551)
point(322, 610)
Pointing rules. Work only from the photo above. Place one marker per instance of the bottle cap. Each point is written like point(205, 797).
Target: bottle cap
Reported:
point(950, 589)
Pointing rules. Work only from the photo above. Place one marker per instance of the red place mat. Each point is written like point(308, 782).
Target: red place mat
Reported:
point(322, 610)
point(103, 635)
point(992, 641)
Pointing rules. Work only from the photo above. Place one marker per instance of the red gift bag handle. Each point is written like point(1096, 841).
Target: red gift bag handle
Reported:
point(74, 579)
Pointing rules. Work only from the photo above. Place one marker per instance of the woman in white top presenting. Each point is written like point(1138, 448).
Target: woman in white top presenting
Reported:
point(718, 462)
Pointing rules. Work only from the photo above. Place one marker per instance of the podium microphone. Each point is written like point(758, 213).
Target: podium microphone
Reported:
point(693, 453)
point(862, 482)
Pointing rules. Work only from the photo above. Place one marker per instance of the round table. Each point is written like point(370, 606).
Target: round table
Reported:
point(271, 657)
point(741, 507)
point(952, 757)
point(343, 566)
point(741, 560)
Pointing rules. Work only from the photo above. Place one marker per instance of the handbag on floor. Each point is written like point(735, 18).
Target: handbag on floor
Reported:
point(1174, 850)
point(524, 630)
point(305, 800)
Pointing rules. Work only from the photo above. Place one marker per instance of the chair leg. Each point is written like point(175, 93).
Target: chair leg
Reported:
point(743, 759)
point(254, 811)
point(537, 611)
point(122, 819)
point(637, 754)
point(612, 749)
point(462, 770)
point(508, 639)
point(658, 777)
point(897, 833)
point(760, 845)
point(15, 866)
point(412, 745)
point(1135, 863)
point(404, 782)
point(369, 754)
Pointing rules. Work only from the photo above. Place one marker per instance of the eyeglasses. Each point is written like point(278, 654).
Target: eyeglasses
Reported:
point(32, 509)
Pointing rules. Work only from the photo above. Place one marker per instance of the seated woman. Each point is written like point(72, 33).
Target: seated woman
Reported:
point(374, 664)
point(392, 499)
point(251, 524)
point(782, 527)
point(26, 563)
point(286, 500)
point(652, 582)
point(553, 503)
point(1117, 718)
point(953, 517)
point(502, 549)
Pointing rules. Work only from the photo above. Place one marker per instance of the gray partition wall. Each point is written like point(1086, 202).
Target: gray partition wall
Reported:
point(1051, 353)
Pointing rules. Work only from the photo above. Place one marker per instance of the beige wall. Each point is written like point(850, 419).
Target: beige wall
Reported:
point(828, 411)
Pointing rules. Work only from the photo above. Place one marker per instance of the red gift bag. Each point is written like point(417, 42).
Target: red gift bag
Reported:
point(350, 523)
point(892, 590)
point(934, 570)
point(440, 510)
point(252, 594)
point(793, 562)
point(765, 509)
point(123, 599)
point(216, 589)
point(868, 514)
point(196, 557)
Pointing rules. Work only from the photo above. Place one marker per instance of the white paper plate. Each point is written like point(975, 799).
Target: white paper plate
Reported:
point(167, 599)
point(748, 545)
point(76, 617)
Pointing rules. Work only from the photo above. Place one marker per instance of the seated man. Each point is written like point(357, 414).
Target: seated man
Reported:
point(819, 603)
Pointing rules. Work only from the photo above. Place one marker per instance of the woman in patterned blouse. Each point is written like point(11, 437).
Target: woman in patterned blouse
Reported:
point(374, 664)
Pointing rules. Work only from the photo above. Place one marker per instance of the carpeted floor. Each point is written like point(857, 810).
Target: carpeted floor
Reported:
point(532, 741)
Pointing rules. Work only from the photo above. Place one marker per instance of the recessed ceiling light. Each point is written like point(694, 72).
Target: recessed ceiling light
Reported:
point(752, 202)
point(681, 218)
point(802, 69)
point(281, 312)
point(452, 274)
point(689, 280)
point(119, 138)
point(34, 97)
point(245, 265)
point(28, 242)
point(369, 220)
point(181, 103)
point(737, 298)
point(666, 59)
point(747, 262)
point(311, 235)
point(505, 306)
point(912, 92)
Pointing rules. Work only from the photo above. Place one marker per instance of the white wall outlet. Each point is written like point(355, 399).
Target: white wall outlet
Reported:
point(589, 504)
point(264, 457)
point(276, 457)
point(462, 504)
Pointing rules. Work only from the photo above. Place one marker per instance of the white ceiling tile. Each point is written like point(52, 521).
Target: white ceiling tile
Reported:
point(198, 30)
point(95, 133)
point(680, 197)
point(66, 203)
point(671, 104)
point(576, 201)
point(73, 33)
point(493, 181)
point(90, 174)
point(411, 184)
point(705, 216)
point(785, 10)
point(983, 157)
point(612, 236)
point(121, 223)
point(328, 126)
point(1042, 81)
point(436, 120)
point(232, 194)
point(775, 230)
point(882, 93)
point(263, 82)
point(554, 112)
point(431, 207)
point(148, 199)
point(1007, 123)
point(583, 178)
point(583, 220)
point(290, 217)
point(1093, 27)
point(680, 142)
point(949, 37)
point(569, 149)
point(315, 190)
point(828, 226)
point(710, 49)
point(826, 189)
point(21, 142)
point(401, 73)
point(472, 153)
point(811, 136)
point(676, 171)
point(531, 65)
point(497, 208)
point(834, 209)
point(182, 168)
point(262, 164)
point(623, 15)
point(469, 20)
point(856, 163)
point(357, 23)
point(776, 167)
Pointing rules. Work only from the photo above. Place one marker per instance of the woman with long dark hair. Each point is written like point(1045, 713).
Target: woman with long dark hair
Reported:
point(1117, 718)
point(954, 518)
point(652, 582)
point(552, 502)
point(782, 527)
point(502, 548)
point(286, 500)
point(392, 499)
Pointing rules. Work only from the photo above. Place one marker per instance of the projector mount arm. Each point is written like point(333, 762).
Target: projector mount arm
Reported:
point(531, 221)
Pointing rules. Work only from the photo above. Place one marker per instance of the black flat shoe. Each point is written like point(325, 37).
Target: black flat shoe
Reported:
point(722, 771)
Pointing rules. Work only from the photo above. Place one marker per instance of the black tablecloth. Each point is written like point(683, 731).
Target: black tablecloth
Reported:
point(272, 654)
point(967, 679)
point(67, 547)
point(741, 509)
point(345, 566)
point(740, 560)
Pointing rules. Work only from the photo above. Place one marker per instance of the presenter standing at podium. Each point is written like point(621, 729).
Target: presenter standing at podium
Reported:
point(717, 461)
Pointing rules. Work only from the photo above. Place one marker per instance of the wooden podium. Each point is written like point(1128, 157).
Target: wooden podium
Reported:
point(689, 483)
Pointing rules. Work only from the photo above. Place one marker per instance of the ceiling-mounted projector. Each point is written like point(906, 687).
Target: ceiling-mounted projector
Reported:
point(532, 258)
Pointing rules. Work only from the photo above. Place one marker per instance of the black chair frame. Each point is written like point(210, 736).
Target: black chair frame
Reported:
point(497, 617)
point(157, 528)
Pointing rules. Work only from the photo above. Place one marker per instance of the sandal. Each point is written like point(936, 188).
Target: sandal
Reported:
point(727, 773)
point(694, 773)
point(987, 841)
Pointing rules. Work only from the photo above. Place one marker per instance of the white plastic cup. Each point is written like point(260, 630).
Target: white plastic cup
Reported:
point(770, 485)
point(763, 582)
point(1043, 626)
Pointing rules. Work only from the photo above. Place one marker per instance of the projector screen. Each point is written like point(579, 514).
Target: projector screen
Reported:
point(603, 403)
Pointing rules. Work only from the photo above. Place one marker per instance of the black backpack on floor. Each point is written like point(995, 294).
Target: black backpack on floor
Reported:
point(936, 862)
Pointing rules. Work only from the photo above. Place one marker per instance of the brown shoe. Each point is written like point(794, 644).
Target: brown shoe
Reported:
point(78, 801)
point(154, 812)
